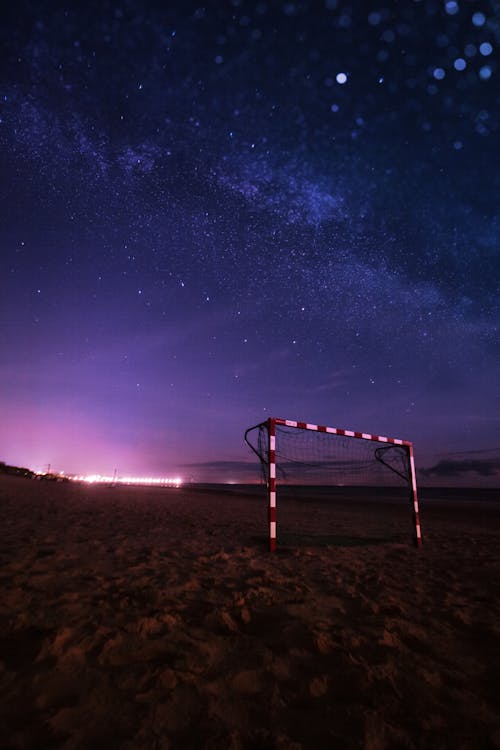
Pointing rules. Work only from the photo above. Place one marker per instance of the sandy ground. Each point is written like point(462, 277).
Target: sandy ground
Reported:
point(134, 618)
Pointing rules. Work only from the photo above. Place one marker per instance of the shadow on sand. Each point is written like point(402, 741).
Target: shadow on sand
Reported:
point(290, 541)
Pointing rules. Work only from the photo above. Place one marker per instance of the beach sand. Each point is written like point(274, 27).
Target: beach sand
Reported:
point(157, 618)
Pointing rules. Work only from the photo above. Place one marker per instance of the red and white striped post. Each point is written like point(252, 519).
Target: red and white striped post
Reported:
point(272, 484)
point(416, 516)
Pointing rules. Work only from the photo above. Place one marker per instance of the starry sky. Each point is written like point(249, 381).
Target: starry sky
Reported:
point(217, 212)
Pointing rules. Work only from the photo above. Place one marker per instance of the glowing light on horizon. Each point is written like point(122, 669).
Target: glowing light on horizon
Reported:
point(150, 481)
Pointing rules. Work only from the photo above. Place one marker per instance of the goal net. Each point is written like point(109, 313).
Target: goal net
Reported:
point(310, 466)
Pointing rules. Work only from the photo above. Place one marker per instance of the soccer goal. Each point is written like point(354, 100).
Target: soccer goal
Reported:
point(317, 459)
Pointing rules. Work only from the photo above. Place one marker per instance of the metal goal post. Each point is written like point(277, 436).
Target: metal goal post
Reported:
point(268, 460)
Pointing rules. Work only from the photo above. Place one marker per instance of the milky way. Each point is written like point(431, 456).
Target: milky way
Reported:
point(216, 213)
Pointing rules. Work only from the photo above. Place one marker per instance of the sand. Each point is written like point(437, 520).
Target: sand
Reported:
point(136, 618)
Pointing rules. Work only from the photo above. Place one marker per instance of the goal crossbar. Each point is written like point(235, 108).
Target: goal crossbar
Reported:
point(268, 462)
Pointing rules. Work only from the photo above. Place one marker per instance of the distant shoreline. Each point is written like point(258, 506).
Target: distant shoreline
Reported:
point(356, 492)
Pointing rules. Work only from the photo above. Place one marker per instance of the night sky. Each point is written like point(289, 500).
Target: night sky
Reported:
point(213, 213)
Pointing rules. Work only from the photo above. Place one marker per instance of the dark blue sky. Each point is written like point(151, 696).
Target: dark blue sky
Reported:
point(214, 213)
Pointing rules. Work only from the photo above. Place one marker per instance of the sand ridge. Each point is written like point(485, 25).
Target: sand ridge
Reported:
point(136, 618)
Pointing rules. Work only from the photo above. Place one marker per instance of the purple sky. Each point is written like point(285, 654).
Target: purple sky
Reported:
point(214, 214)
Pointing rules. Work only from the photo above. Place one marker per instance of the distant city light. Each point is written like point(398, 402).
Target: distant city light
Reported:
point(101, 479)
